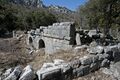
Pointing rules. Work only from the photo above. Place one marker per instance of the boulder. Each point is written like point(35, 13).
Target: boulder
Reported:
point(105, 63)
point(86, 60)
point(81, 71)
point(8, 72)
point(106, 71)
point(47, 65)
point(66, 72)
point(58, 62)
point(50, 73)
point(92, 33)
point(75, 64)
point(96, 50)
point(95, 66)
point(78, 40)
point(15, 74)
point(28, 73)
point(78, 49)
point(93, 44)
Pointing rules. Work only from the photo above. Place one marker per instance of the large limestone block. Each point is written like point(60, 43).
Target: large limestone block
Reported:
point(92, 32)
point(78, 40)
point(81, 71)
point(15, 74)
point(49, 73)
point(96, 50)
point(8, 72)
point(86, 60)
point(28, 73)
point(78, 49)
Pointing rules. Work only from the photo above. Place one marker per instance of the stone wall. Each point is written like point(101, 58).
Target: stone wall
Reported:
point(98, 57)
point(59, 36)
point(60, 70)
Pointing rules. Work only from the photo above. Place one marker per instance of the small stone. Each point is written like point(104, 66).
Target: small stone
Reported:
point(86, 60)
point(105, 63)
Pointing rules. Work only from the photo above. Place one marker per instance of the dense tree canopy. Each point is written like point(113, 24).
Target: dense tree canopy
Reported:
point(100, 13)
point(16, 17)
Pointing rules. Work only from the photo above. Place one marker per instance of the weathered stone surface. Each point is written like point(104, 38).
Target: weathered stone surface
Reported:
point(78, 72)
point(78, 40)
point(93, 44)
point(106, 71)
point(58, 62)
point(75, 64)
point(95, 58)
point(105, 63)
point(28, 73)
point(47, 65)
point(49, 73)
point(96, 50)
point(86, 60)
point(92, 33)
point(95, 66)
point(115, 68)
point(15, 74)
point(83, 70)
point(59, 36)
point(78, 49)
point(66, 72)
point(8, 72)
point(55, 71)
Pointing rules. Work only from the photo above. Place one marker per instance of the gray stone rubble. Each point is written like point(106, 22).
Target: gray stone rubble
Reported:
point(62, 36)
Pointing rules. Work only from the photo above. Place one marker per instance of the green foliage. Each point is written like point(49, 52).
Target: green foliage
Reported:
point(101, 13)
point(16, 17)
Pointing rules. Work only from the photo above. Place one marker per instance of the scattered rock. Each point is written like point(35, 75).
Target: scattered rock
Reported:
point(106, 71)
point(86, 60)
point(96, 50)
point(49, 73)
point(79, 48)
point(105, 63)
point(58, 62)
point(15, 74)
point(28, 73)
point(8, 72)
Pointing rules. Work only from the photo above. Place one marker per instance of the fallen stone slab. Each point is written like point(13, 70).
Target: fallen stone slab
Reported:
point(15, 74)
point(95, 66)
point(75, 64)
point(86, 60)
point(81, 71)
point(52, 73)
point(78, 49)
point(66, 72)
point(28, 73)
point(8, 72)
point(96, 50)
point(47, 65)
point(105, 63)
point(58, 62)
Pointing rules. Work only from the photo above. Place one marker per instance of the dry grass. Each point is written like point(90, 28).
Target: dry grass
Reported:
point(40, 58)
point(12, 53)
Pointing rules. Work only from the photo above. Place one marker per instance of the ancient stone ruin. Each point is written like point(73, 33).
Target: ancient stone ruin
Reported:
point(103, 52)
point(63, 36)
point(59, 36)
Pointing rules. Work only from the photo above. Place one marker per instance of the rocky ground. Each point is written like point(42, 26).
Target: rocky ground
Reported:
point(12, 52)
point(98, 75)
